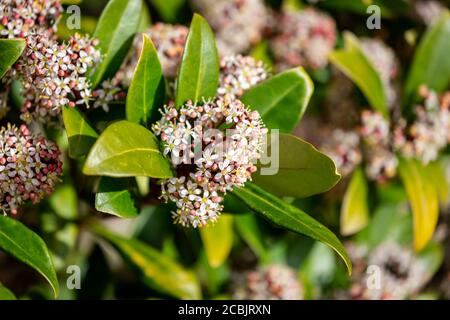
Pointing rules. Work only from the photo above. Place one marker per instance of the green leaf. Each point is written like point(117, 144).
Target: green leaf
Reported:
point(353, 62)
point(168, 9)
point(80, 134)
point(22, 243)
point(126, 149)
point(198, 77)
point(5, 294)
point(64, 201)
point(282, 99)
point(423, 198)
point(248, 229)
point(147, 90)
point(115, 31)
point(289, 217)
point(302, 169)
point(355, 208)
point(114, 197)
point(431, 65)
point(10, 51)
point(436, 170)
point(157, 270)
point(218, 240)
point(432, 257)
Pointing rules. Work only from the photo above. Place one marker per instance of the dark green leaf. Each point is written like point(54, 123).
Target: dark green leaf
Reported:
point(22, 243)
point(282, 99)
point(80, 134)
point(114, 197)
point(302, 169)
point(355, 208)
point(218, 240)
point(431, 65)
point(353, 62)
point(126, 149)
point(10, 51)
point(147, 92)
point(115, 31)
point(287, 216)
point(168, 9)
point(198, 77)
point(157, 270)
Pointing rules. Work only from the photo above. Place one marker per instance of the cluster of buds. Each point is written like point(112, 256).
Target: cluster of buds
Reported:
point(29, 167)
point(22, 18)
point(240, 73)
point(401, 274)
point(276, 282)
point(344, 148)
point(209, 159)
point(238, 24)
point(303, 38)
point(381, 162)
point(428, 11)
point(385, 63)
point(169, 41)
point(55, 75)
point(430, 132)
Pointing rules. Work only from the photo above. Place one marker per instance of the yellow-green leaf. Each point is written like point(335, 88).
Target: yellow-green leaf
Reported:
point(218, 240)
point(355, 208)
point(423, 198)
point(126, 149)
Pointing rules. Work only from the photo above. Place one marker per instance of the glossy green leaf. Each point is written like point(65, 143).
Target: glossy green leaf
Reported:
point(355, 208)
point(157, 270)
point(6, 294)
point(147, 88)
point(247, 227)
point(64, 201)
point(115, 31)
point(126, 149)
point(10, 51)
point(353, 62)
point(114, 197)
point(432, 257)
point(198, 77)
point(289, 217)
point(431, 65)
point(168, 10)
point(302, 169)
point(25, 245)
point(282, 99)
point(80, 134)
point(218, 240)
point(423, 198)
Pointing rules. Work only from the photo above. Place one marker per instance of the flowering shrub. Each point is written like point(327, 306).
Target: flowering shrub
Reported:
point(199, 145)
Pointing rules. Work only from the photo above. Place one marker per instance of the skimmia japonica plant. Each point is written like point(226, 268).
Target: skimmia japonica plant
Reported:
point(177, 143)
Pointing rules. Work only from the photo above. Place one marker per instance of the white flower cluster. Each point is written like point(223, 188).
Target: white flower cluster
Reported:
point(29, 167)
point(209, 159)
point(381, 161)
point(55, 75)
point(239, 73)
point(344, 148)
point(21, 18)
point(169, 41)
point(430, 132)
point(303, 38)
point(385, 63)
point(238, 24)
point(428, 11)
point(276, 282)
point(402, 274)
point(108, 92)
